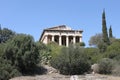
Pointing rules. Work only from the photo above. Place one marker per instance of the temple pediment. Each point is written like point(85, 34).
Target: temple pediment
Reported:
point(61, 27)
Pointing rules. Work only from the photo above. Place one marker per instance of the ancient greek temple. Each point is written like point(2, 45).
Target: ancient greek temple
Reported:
point(62, 35)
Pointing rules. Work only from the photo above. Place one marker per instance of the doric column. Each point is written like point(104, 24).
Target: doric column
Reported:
point(67, 42)
point(46, 39)
point(74, 39)
point(80, 39)
point(60, 40)
point(52, 38)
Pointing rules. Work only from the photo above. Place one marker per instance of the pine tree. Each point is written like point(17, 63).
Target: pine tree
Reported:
point(110, 32)
point(104, 29)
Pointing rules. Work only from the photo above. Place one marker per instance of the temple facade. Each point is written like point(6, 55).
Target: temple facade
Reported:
point(62, 35)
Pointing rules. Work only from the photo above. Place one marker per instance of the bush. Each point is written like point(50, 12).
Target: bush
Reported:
point(116, 70)
point(71, 60)
point(22, 52)
point(7, 71)
point(80, 44)
point(93, 54)
point(106, 66)
point(44, 53)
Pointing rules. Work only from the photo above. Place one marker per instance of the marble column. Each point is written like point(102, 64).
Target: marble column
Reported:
point(80, 39)
point(52, 38)
point(67, 42)
point(46, 39)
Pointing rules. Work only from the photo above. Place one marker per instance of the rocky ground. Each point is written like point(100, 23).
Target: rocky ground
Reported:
point(53, 74)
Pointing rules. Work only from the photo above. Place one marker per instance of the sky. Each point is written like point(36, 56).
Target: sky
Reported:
point(32, 16)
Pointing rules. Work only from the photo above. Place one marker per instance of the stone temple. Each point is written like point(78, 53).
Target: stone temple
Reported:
point(62, 35)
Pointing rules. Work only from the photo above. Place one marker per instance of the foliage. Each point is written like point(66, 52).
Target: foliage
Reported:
point(93, 54)
point(2, 46)
point(96, 40)
point(102, 47)
point(113, 51)
point(104, 29)
point(81, 44)
point(54, 49)
point(110, 32)
point(7, 71)
point(22, 52)
point(6, 34)
point(44, 53)
point(106, 66)
point(116, 70)
point(71, 60)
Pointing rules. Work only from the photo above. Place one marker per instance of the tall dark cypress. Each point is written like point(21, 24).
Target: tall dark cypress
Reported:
point(110, 32)
point(104, 29)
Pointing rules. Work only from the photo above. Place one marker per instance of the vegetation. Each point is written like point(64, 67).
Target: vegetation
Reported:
point(71, 60)
point(44, 53)
point(96, 40)
point(104, 29)
point(93, 54)
point(19, 55)
point(106, 66)
point(110, 32)
point(7, 71)
point(5, 34)
point(22, 52)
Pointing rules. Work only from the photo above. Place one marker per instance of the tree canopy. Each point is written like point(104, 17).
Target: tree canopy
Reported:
point(22, 51)
point(5, 34)
point(104, 29)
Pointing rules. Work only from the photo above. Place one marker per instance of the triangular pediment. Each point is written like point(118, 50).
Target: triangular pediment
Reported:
point(61, 27)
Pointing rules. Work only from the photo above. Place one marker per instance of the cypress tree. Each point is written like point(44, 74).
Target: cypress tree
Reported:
point(104, 29)
point(110, 32)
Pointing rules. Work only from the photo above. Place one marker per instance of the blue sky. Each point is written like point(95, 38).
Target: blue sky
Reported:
point(32, 16)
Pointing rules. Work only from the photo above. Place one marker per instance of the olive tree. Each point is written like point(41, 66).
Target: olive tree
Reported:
point(22, 51)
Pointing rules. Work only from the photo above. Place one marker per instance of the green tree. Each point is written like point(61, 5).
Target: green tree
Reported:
point(113, 51)
point(110, 32)
point(96, 40)
point(22, 51)
point(5, 34)
point(104, 29)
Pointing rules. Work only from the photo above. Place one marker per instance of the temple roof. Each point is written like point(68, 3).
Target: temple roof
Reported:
point(61, 27)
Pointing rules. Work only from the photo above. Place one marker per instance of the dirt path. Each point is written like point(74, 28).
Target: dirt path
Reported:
point(62, 77)
point(52, 74)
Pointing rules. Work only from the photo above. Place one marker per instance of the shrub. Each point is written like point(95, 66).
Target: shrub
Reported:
point(44, 53)
point(93, 54)
point(71, 60)
point(80, 44)
point(116, 70)
point(106, 66)
point(22, 51)
point(7, 71)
